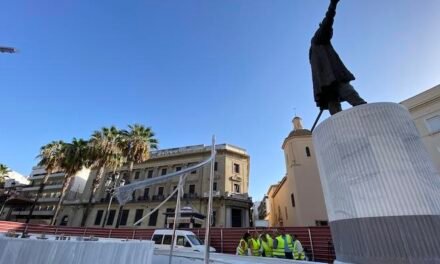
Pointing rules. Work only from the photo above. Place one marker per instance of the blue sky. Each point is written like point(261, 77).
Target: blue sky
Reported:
point(193, 68)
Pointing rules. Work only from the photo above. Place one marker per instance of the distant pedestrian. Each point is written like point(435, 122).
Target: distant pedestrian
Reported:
point(266, 247)
point(298, 250)
point(283, 246)
point(254, 245)
point(243, 248)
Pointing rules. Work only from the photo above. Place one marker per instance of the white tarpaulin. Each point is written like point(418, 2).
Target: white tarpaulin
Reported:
point(30, 251)
point(124, 193)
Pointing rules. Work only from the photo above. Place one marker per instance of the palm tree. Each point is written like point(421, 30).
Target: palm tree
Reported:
point(105, 152)
point(4, 170)
point(74, 157)
point(136, 144)
point(50, 159)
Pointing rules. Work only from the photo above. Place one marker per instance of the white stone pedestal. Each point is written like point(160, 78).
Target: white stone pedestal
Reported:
point(381, 189)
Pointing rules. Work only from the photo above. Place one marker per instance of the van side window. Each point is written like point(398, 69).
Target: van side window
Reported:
point(157, 239)
point(167, 240)
point(180, 241)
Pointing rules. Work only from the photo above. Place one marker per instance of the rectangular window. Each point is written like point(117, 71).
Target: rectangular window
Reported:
point(214, 215)
point(136, 175)
point(138, 215)
point(308, 152)
point(111, 217)
point(160, 191)
point(99, 217)
point(214, 186)
point(236, 188)
point(157, 239)
point(292, 199)
point(178, 168)
point(167, 240)
point(192, 189)
point(163, 172)
point(180, 241)
point(124, 217)
point(215, 166)
point(433, 124)
point(236, 168)
point(146, 193)
point(321, 223)
point(153, 218)
point(150, 174)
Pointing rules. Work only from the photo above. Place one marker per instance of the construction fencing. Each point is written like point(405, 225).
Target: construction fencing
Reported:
point(316, 240)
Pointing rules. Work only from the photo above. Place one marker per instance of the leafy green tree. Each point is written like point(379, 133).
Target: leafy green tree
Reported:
point(105, 152)
point(74, 157)
point(136, 144)
point(4, 170)
point(51, 156)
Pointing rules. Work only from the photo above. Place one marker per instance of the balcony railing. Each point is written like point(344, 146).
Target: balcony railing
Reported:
point(47, 187)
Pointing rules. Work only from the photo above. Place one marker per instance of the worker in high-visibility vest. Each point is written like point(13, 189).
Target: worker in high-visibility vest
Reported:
point(298, 251)
point(243, 247)
point(283, 246)
point(266, 248)
point(254, 245)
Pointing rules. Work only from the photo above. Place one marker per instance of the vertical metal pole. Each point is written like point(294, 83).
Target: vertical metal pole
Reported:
point(176, 218)
point(209, 211)
point(311, 245)
point(221, 239)
point(108, 211)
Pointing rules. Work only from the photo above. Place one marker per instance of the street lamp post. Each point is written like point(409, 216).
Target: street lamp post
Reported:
point(111, 184)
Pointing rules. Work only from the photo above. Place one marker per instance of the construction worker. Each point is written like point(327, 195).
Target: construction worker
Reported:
point(283, 246)
point(298, 251)
point(242, 248)
point(266, 248)
point(254, 245)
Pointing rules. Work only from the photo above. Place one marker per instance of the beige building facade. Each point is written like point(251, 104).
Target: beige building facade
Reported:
point(425, 111)
point(297, 200)
point(45, 208)
point(231, 205)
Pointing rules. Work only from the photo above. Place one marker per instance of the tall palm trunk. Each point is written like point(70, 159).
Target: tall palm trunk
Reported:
point(93, 189)
point(40, 191)
point(66, 183)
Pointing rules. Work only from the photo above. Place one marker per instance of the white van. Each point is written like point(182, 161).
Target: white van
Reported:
point(186, 241)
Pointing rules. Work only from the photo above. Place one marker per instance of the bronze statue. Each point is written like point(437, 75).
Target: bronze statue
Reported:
point(331, 79)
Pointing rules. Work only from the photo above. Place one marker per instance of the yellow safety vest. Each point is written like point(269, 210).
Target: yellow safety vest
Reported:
point(298, 255)
point(269, 240)
point(268, 251)
point(242, 251)
point(279, 251)
point(289, 242)
point(255, 247)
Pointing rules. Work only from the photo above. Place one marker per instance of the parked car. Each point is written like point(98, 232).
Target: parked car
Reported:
point(186, 241)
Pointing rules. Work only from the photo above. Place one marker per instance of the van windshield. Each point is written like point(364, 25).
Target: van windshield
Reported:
point(194, 240)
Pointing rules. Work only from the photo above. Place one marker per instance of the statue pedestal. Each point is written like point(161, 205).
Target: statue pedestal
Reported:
point(381, 188)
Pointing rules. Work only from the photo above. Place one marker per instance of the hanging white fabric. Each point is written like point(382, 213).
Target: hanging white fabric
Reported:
point(124, 193)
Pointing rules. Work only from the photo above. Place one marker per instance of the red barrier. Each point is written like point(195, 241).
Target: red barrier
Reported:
point(316, 240)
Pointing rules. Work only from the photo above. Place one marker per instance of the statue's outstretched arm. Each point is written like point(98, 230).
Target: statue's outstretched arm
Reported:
point(325, 31)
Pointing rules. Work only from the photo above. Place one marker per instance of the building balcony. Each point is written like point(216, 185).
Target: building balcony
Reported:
point(143, 198)
point(48, 199)
point(191, 196)
point(54, 175)
point(47, 187)
point(214, 194)
point(35, 212)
